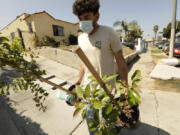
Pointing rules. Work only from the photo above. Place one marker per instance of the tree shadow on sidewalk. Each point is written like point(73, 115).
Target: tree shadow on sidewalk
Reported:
point(144, 129)
point(8, 74)
point(24, 125)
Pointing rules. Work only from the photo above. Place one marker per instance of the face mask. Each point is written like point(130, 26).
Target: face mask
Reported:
point(86, 26)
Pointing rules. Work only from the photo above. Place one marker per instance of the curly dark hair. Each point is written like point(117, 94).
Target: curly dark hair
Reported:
point(83, 6)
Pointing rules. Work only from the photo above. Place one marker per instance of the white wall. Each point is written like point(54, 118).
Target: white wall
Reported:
point(69, 58)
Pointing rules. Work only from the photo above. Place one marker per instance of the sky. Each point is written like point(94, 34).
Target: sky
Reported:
point(146, 12)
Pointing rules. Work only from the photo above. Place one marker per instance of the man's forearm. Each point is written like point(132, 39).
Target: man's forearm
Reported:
point(123, 70)
point(81, 75)
point(122, 67)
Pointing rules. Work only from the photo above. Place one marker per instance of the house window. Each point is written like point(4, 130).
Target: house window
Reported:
point(12, 35)
point(30, 27)
point(58, 30)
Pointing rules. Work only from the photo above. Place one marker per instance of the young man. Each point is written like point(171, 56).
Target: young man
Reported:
point(100, 44)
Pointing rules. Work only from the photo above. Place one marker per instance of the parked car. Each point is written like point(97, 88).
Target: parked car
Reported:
point(161, 44)
point(157, 43)
point(176, 52)
point(165, 47)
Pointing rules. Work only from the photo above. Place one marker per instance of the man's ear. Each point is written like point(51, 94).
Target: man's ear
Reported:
point(97, 16)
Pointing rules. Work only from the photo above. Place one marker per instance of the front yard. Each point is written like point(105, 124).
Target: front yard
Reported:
point(165, 85)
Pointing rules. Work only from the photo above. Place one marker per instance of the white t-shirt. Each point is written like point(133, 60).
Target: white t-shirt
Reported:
point(100, 48)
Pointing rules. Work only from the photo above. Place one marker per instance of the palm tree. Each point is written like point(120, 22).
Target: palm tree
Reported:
point(155, 29)
point(134, 27)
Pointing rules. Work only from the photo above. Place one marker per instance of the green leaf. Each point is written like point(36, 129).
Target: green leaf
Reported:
point(135, 93)
point(37, 105)
point(7, 90)
point(136, 78)
point(104, 77)
point(3, 39)
point(93, 129)
point(136, 75)
point(108, 87)
point(36, 94)
point(106, 131)
point(80, 105)
point(99, 92)
point(134, 97)
point(15, 88)
point(96, 117)
point(79, 91)
point(2, 92)
point(98, 133)
point(87, 90)
point(119, 91)
point(108, 109)
point(98, 105)
point(120, 84)
point(26, 86)
point(92, 78)
point(120, 103)
point(111, 77)
point(135, 82)
point(41, 90)
point(20, 85)
point(84, 113)
point(105, 99)
point(46, 94)
point(40, 97)
point(91, 123)
point(113, 115)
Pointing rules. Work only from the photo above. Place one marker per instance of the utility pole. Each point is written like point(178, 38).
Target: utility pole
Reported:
point(173, 29)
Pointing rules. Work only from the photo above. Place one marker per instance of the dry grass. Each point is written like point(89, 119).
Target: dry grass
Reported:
point(155, 50)
point(127, 51)
point(156, 59)
point(167, 85)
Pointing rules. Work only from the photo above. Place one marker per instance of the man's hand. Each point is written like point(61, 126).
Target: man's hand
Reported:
point(74, 100)
point(78, 82)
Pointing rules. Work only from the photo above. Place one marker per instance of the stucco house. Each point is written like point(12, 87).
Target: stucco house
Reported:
point(41, 24)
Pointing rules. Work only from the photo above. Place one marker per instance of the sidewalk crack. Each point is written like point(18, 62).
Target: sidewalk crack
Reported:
point(156, 108)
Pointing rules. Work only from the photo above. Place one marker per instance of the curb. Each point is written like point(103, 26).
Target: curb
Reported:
point(129, 58)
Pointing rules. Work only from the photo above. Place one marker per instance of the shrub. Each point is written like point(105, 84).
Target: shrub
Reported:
point(72, 39)
point(46, 41)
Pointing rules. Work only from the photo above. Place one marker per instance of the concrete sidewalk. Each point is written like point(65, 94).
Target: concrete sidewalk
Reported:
point(159, 110)
point(20, 108)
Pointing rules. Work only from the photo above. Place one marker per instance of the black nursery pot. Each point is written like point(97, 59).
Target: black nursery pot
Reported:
point(127, 122)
